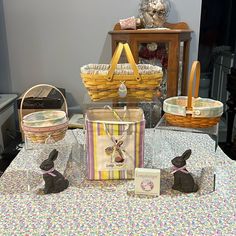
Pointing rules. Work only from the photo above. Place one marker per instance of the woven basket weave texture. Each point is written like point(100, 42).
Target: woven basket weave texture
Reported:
point(193, 112)
point(103, 80)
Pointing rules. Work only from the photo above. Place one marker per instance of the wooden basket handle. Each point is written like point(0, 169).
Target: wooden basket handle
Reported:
point(115, 60)
point(195, 68)
point(41, 85)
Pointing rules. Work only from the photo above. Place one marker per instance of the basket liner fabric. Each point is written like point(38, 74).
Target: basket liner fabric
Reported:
point(202, 107)
point(45, 118)
point(121, 69)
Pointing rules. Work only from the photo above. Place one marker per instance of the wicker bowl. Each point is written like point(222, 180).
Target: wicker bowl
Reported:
point(42, 126)
point(193, 111)
point(204, 113)
point(42, 134)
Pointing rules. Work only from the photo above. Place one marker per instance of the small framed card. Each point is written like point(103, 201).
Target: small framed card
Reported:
point(147, 181)
point(76, 121)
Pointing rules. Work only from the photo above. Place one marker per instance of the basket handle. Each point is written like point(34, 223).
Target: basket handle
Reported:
point(195, 69)
point(116, 57)
point(41, 85)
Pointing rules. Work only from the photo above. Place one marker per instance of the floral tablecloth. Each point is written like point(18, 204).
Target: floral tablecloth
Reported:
point(105, 208)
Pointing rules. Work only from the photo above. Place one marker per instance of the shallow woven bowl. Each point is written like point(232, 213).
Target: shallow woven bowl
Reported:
point(205, 112)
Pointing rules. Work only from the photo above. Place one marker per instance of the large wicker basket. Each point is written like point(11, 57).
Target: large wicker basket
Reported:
point(193, 112)
point(104, 80)
point(44, 126)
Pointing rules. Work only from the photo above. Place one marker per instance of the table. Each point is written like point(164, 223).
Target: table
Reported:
point(93, 208)
point(212, 131)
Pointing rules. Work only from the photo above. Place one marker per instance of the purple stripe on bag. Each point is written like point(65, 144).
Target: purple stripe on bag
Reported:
point(122, 173)
point(122, 129)
point(90, 154)
point(87, 144)
point(141, 143)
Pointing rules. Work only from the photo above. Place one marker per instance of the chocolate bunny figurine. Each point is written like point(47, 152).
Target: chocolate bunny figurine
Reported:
point(55, 182)
point(183, 180)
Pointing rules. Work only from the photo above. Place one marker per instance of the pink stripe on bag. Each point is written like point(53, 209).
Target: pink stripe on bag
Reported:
point(90, 154)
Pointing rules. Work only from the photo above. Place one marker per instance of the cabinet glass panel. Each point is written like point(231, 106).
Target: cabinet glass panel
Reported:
point(155, 53)
point(181, 66)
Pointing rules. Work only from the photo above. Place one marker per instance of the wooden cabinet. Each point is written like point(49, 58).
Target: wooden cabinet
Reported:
point(175, 41)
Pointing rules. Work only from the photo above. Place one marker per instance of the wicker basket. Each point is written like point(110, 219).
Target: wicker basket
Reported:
point(103, 80)
point(192, 112)
point(52, 124)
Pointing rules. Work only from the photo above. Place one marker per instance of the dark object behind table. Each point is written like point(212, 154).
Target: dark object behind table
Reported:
point(43, 98)
point(183, 180)
point(55, 182)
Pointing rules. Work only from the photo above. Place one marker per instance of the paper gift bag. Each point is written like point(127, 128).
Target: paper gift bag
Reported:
point(115, 143)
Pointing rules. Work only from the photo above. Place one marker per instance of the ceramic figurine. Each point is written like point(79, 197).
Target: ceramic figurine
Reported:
point(122, 90)
point(55, 182)
point(183, 180)
point(154, 13)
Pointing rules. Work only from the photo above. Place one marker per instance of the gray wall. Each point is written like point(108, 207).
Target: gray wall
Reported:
point(48, 41)
point(5, 82)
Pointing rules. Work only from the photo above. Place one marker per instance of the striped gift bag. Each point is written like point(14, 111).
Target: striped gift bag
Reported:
point(115, 142)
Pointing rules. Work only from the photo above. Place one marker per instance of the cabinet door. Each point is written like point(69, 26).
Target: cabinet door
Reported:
point(155, 53)
point(158, 53)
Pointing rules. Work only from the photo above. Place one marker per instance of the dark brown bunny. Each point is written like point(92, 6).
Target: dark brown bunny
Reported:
point(55, 182)
point(183, 180)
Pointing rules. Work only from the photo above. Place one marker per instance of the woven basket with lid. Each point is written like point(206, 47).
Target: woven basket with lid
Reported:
point(42, 126)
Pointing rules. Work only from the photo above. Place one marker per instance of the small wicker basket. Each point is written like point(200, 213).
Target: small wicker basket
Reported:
point(52, 124)
point(104, 80)
point(193, 112)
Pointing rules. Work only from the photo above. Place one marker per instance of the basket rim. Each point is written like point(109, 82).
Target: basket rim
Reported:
point(45, 129)
point(214, 109)
point(43, 120)
point(217, 104)
point(123, 66)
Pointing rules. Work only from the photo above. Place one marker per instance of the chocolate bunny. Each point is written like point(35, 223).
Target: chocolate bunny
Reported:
point(55, 182)
point(183, 180)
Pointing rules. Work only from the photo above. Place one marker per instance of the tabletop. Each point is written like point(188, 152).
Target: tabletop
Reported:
point(104, 207)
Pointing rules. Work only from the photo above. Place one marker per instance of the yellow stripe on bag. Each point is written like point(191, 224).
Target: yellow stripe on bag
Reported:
point(137, 144)
point(102, 130)
point(115, 129)
point(116, 174)
point(105, 174)
point(96, 175)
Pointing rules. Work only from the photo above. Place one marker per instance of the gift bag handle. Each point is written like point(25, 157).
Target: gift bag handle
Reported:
point(195, 69)
point(118, 118)
point(115, 60)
